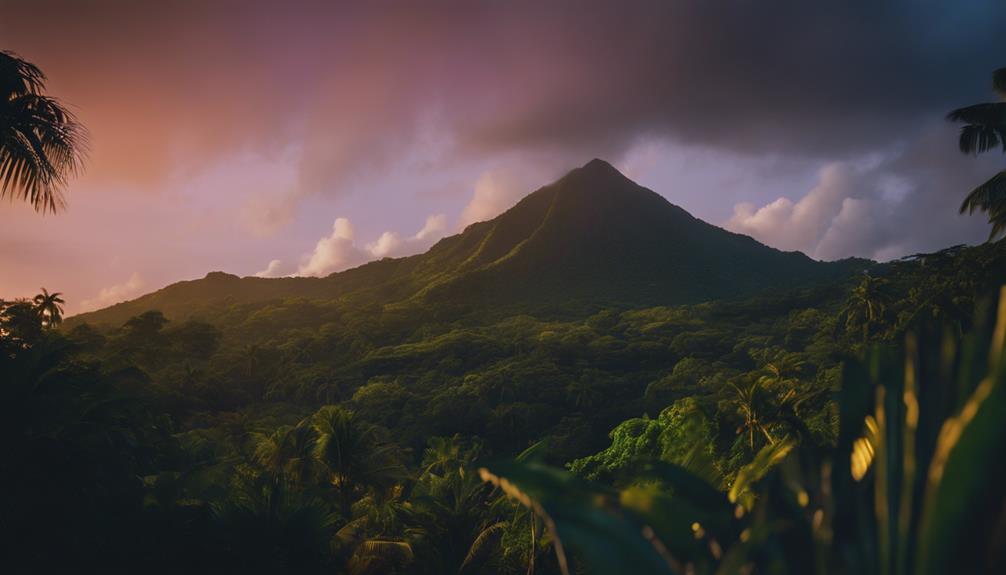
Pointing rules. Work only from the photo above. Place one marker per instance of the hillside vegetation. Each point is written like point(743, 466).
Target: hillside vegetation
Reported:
point(590, 241)
point(340, 424)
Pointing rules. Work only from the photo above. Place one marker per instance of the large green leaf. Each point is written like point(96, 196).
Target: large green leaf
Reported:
point(767, 458)
point(967, 475)
point(583, 517)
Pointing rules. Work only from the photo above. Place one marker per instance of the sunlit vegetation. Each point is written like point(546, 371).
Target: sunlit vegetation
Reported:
point(911, 484)
point(304, 436)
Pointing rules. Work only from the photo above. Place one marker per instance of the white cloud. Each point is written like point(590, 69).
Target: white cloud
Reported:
point(434, 229)
point(339, 251)
point(334, 252)
point(391, 244)
point(848, 213)
point(115, 293)
point(881, 207)
point(271, 271)
point(495, 192)
point(857, 230)
point(386, 246)
point(798, 225)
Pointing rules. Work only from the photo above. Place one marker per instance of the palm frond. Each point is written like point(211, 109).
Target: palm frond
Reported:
point(763, 462)
point(41, 142)
point(378, 556)
point(980, 138)
point(478, 549)
point(999, 82)
point(18, 77)
point(990, 197)
point(989, 114)
point(985, 127)
point(391, 550)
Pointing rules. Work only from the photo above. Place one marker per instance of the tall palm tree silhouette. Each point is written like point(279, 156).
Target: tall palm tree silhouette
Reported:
point(41, 142)
point(984, 130)
point(49, 307)
point(866, 305)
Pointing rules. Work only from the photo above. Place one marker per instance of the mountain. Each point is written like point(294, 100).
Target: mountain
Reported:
point(592, 239)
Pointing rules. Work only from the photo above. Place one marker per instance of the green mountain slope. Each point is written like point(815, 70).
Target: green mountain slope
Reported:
point(592, 239)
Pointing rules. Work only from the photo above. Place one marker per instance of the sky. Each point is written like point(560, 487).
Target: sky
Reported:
point(302, 138)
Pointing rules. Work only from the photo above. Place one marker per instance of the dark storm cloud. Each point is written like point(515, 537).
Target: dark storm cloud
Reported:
point(798, 77)
point(216, 125)
point(358, 85)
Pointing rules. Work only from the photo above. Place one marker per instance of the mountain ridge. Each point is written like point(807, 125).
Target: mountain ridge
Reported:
point(592, 238)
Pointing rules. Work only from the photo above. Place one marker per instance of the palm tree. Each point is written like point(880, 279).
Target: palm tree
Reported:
point(354, 453)
point(288, 452)
point(41, 142)
point(782, 372)
point(866, 305)
point(984, 130)
point(443, 454)
point(359, 554)
point(49, 307)
point(460, 529)
point(752, 404)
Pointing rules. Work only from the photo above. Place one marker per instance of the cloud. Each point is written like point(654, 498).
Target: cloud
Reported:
point(391, 244)
point(265, 216)
point(271, 271)
point(333, 253)
point(386, 245)
point(495, 192)
point(798, 225)
point(881, 207)
point(328, 103)
point(339, 250)
point(860, 228)
point(115, 293)
point(361, 87)
point(433, 229)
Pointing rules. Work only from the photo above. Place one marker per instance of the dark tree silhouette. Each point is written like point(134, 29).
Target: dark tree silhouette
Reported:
point(984, 130)
point(41, 142)
point(49, 307)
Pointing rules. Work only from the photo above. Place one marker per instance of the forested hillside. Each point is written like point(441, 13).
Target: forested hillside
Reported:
point(578, 379)
point(308, 435)
point(591, 241)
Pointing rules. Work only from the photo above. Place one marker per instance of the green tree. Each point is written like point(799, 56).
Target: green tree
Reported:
point(985, 129)
point(458, 529)
point(41, 142)
point(147, 325)
point(753, 401)
point(49, 307)
point(288, 452)
point(355, 454)
point(866, 306)
point(20, 327)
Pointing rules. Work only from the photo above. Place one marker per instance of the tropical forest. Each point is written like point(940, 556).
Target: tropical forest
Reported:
point(702, 289)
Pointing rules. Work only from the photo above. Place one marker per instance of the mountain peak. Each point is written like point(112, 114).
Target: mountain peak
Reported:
point(599, 164)
point(599, 168)
point(594, 238)
point(596, 178)
point(220, 276)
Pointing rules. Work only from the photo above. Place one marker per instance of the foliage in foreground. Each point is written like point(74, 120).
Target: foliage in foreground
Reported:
point(315, 443)
point(913, 484)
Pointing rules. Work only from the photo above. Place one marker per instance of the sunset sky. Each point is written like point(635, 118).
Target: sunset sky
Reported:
point(279, 138)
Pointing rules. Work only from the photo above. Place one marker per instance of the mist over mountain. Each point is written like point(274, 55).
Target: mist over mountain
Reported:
point(591, 240)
